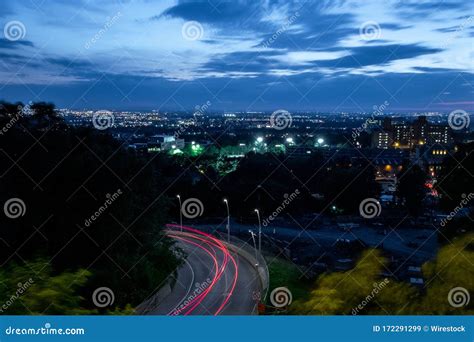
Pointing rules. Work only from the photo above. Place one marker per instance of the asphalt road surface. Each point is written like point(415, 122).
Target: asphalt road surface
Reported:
point(214, 280)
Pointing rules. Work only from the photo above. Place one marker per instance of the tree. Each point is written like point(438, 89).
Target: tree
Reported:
point(342, 292)
point(411, 188)
point(32, 289)
point(455, 178)
point(63, 181)
point(353, 291)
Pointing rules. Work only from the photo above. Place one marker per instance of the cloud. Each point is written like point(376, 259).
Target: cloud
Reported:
point(248, 47)
point(9, 44)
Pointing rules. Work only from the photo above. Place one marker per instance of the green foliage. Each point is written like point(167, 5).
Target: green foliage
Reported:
point(339, 292)
point(65, 176)
point(342, 292)
point(453, 267)
point(284, 273)
point(33, 289)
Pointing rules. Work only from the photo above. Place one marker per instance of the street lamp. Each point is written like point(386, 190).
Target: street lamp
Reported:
point(180, 213)
point(228, 219)
point(259, 232)
point(254, 246)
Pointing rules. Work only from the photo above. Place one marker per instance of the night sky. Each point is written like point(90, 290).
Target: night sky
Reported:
point(329, 56)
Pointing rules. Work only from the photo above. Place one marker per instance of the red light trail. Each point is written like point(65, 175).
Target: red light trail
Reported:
point(211, 246)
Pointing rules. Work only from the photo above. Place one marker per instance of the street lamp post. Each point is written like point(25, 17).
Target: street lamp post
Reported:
point(180, 213)
point(254, 246)
point(228, 219)
point(259, 232)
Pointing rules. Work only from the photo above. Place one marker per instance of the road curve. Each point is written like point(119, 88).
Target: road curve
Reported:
point(214, 280)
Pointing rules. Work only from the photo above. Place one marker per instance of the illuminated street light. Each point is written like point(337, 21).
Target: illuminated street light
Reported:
point(289, 140)
point(259, 231)
point(254, 246)
point(320, 141)
point(228, 219)
point(180, 213)
point(260, 140)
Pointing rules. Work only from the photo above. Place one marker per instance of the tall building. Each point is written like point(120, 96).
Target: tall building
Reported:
point(381, 139)
point(409, 135)
point(402, 135)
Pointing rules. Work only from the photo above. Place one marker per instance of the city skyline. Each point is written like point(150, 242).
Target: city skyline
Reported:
point(299, 56)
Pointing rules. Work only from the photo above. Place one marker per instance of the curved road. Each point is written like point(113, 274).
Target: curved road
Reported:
point(214, 280)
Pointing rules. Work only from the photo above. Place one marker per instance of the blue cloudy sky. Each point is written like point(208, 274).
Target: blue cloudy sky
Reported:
point(242, 55)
